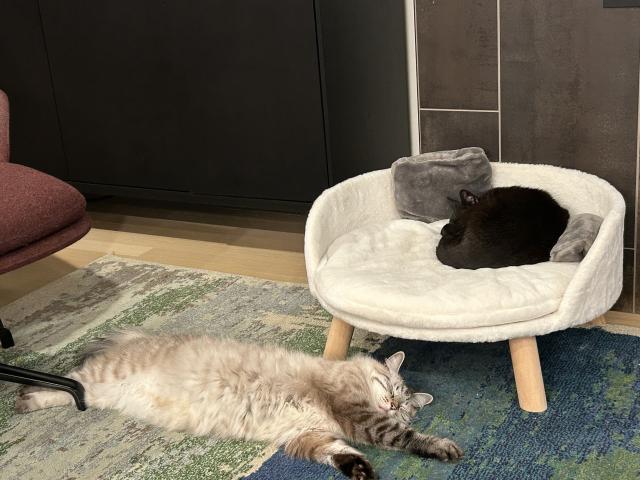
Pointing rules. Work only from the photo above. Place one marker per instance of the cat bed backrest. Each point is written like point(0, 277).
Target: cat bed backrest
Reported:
point(588, 194)
point(580, 192)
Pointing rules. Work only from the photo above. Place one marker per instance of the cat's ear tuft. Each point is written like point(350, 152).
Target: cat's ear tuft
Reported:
point(468, 198)
point(394, 361)
point(421, 399)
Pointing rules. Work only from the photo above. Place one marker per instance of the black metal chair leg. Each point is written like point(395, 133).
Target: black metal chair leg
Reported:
point(9, 373)
point(24, 376)
point(6, 339)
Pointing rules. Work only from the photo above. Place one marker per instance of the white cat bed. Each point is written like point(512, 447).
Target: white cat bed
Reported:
point(375, 271)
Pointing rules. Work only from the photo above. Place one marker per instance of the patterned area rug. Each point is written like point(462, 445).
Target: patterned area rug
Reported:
point(591, 430)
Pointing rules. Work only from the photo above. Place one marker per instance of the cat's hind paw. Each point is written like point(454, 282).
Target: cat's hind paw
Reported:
point(36, 398)
point(356, 467)
point(27, 400)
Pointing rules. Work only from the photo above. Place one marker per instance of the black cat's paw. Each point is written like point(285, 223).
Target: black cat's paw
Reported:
point(445, 450)
point(356, 467)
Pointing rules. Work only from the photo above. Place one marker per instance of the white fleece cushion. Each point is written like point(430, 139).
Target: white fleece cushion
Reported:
point(388, 272)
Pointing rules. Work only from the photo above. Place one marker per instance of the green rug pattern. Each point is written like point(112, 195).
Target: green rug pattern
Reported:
point(52, 326)
point(591, 430)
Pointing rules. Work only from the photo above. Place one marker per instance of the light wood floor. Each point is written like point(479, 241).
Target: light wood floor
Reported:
point(260, 244)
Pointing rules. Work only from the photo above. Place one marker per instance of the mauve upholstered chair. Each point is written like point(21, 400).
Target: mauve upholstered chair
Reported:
point(39, 215)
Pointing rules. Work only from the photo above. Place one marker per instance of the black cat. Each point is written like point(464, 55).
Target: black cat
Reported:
point(502, 227)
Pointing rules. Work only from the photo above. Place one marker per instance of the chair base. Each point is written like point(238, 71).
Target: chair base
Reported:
point(6, 339)
point(9, 373)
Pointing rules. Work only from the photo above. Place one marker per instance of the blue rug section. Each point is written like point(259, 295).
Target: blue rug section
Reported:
point(281, 467)
point(590, 431)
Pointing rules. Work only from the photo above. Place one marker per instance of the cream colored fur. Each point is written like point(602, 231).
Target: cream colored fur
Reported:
point(208, 386)
point(204, 385)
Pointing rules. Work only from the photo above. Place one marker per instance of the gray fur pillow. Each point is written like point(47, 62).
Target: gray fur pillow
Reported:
point(426, 184)
point(575, 242)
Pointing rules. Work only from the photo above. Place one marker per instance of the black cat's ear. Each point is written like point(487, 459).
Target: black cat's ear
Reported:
point(394, 361)
point(468, 198)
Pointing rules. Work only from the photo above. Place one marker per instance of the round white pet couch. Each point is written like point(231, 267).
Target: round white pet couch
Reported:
point(373, 270)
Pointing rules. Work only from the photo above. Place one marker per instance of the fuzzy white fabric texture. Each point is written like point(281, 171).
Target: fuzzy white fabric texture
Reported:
point(389, 273)
point(379, 272)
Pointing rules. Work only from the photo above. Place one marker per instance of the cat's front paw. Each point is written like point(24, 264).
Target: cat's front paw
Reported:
point(356, 467)
point(446, 450)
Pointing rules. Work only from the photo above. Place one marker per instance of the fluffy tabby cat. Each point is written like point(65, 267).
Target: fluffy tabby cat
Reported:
point(204, 385)
point(503, 227)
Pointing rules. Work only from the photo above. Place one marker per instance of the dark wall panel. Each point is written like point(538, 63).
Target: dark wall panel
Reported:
point(625, 302)
point(207, 96)
point(570, 89)
point(452, 130)
point(24, 76)
point(458, 54)
point(365, 71)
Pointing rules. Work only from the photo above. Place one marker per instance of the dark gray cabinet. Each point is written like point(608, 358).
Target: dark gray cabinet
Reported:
point(256, 103)
point(24, 76)
point(208, 96)
point(365, 71)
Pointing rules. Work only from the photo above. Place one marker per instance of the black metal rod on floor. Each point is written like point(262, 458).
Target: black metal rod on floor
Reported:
point(6, 340)
point(25, 376)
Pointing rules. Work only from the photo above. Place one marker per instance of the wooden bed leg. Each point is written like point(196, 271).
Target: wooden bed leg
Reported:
point(338, 340)
point(526, 369)
point(598, 322)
